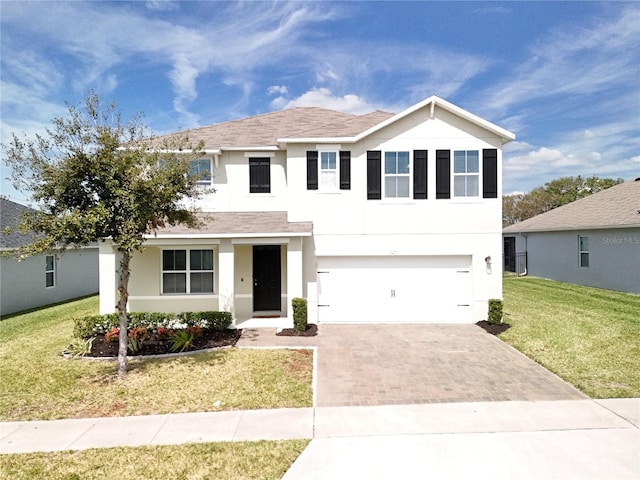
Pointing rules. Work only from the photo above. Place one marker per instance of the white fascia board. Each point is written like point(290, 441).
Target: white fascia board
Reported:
point(583, 228)
point(214, 236)
point(317, 140)
point(267, 148)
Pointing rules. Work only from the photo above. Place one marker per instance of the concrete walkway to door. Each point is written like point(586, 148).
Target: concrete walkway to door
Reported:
point(360, 365)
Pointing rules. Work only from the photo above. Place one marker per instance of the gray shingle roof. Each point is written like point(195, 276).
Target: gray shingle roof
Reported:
point(238, 223)
point(10, 217)
point(615, 207)
point(264, 130)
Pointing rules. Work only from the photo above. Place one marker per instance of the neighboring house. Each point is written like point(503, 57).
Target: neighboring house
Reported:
point(594, 241)
point(371, 218)
point(41, 279)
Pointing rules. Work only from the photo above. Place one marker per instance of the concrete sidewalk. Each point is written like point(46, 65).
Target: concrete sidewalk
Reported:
point(520, 439)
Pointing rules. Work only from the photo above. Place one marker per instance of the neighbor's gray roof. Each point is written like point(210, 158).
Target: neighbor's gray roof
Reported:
point(264, 130)
point(615, 207)
point(241, 223)
point(10, 217)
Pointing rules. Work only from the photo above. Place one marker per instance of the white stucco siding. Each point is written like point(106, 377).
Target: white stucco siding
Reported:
point(24, 287)
point(614, 258)
point(231, 184)
point(349, 211)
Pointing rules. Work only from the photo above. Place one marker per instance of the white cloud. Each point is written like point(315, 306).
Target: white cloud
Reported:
point(277, 89)
point(323, 97)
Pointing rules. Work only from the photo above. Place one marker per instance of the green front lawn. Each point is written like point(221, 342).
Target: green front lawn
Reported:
point(233, 461)
point(588, 336)
point(38, 383)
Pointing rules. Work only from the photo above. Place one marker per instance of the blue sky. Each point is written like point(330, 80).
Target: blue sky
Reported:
point(563, 76)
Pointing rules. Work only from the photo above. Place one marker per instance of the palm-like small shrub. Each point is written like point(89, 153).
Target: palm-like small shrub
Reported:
point(181, 340)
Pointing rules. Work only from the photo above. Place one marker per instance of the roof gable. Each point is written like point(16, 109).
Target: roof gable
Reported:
point(615, 207)
point(431, 102)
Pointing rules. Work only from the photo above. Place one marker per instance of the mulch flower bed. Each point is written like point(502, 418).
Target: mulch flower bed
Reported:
point(155, 345)
point(493, 329)
point(311, 331)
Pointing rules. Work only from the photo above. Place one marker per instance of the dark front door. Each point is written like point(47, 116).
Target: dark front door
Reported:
point(266, 277)
point(509, 254)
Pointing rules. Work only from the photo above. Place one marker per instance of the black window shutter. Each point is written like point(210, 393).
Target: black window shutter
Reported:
point(490, 173)
point(312, 170)
point(259, 175)
point(443, 174)
point(374, 175)
point(345, 170)
point(420, 174)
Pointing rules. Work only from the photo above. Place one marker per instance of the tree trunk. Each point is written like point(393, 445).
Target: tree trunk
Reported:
point(123, 288)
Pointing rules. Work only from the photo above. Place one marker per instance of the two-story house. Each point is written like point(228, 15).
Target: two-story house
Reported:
point(371, 218)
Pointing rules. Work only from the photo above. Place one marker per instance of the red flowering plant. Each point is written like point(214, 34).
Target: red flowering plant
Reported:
point(112, 335)
point(195, 330)
point(164, 333)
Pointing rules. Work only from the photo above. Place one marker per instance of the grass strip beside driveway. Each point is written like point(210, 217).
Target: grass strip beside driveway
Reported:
point(588, 336)
point(38, 384)
point(237, 460)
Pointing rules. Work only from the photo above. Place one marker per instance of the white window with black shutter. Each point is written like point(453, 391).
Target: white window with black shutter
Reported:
point(259, 175)
point(328, 169)
point(470, 175)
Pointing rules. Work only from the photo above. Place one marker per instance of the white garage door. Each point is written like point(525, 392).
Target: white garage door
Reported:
point(430, 289)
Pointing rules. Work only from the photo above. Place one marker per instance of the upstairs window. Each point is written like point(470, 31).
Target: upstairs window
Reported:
point(201, 170)
point(328, 171)
point(326, 168)
point(466, 173)
point(583, 246)
point(50, 271)
point(182, 276)
point(396, 175)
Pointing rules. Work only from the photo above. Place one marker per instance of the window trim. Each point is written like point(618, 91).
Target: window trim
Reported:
point(467, 174)
point(51, 271)
point(582, 252)
point(188, 271)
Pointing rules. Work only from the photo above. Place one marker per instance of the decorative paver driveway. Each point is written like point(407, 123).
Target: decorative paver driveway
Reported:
point(403, 364)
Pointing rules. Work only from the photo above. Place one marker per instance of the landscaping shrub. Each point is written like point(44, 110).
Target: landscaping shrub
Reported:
point(299, 314)
point(85, 327)
point(495, 311)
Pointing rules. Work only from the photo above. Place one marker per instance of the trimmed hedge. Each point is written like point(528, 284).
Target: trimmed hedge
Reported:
point(299, 314)
point(85, 327)
point(495, 311)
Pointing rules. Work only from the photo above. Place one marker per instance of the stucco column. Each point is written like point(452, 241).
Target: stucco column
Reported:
point(226, 275)
point(108, 270)
point(294, 273)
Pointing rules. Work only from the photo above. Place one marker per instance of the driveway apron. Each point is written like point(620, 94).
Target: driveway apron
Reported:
point(412, 364)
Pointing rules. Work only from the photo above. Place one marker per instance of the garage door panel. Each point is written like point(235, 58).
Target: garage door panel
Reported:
point(394, 289)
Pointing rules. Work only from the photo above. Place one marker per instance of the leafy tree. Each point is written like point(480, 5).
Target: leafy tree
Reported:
point(95, 177)
point(555, 193)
